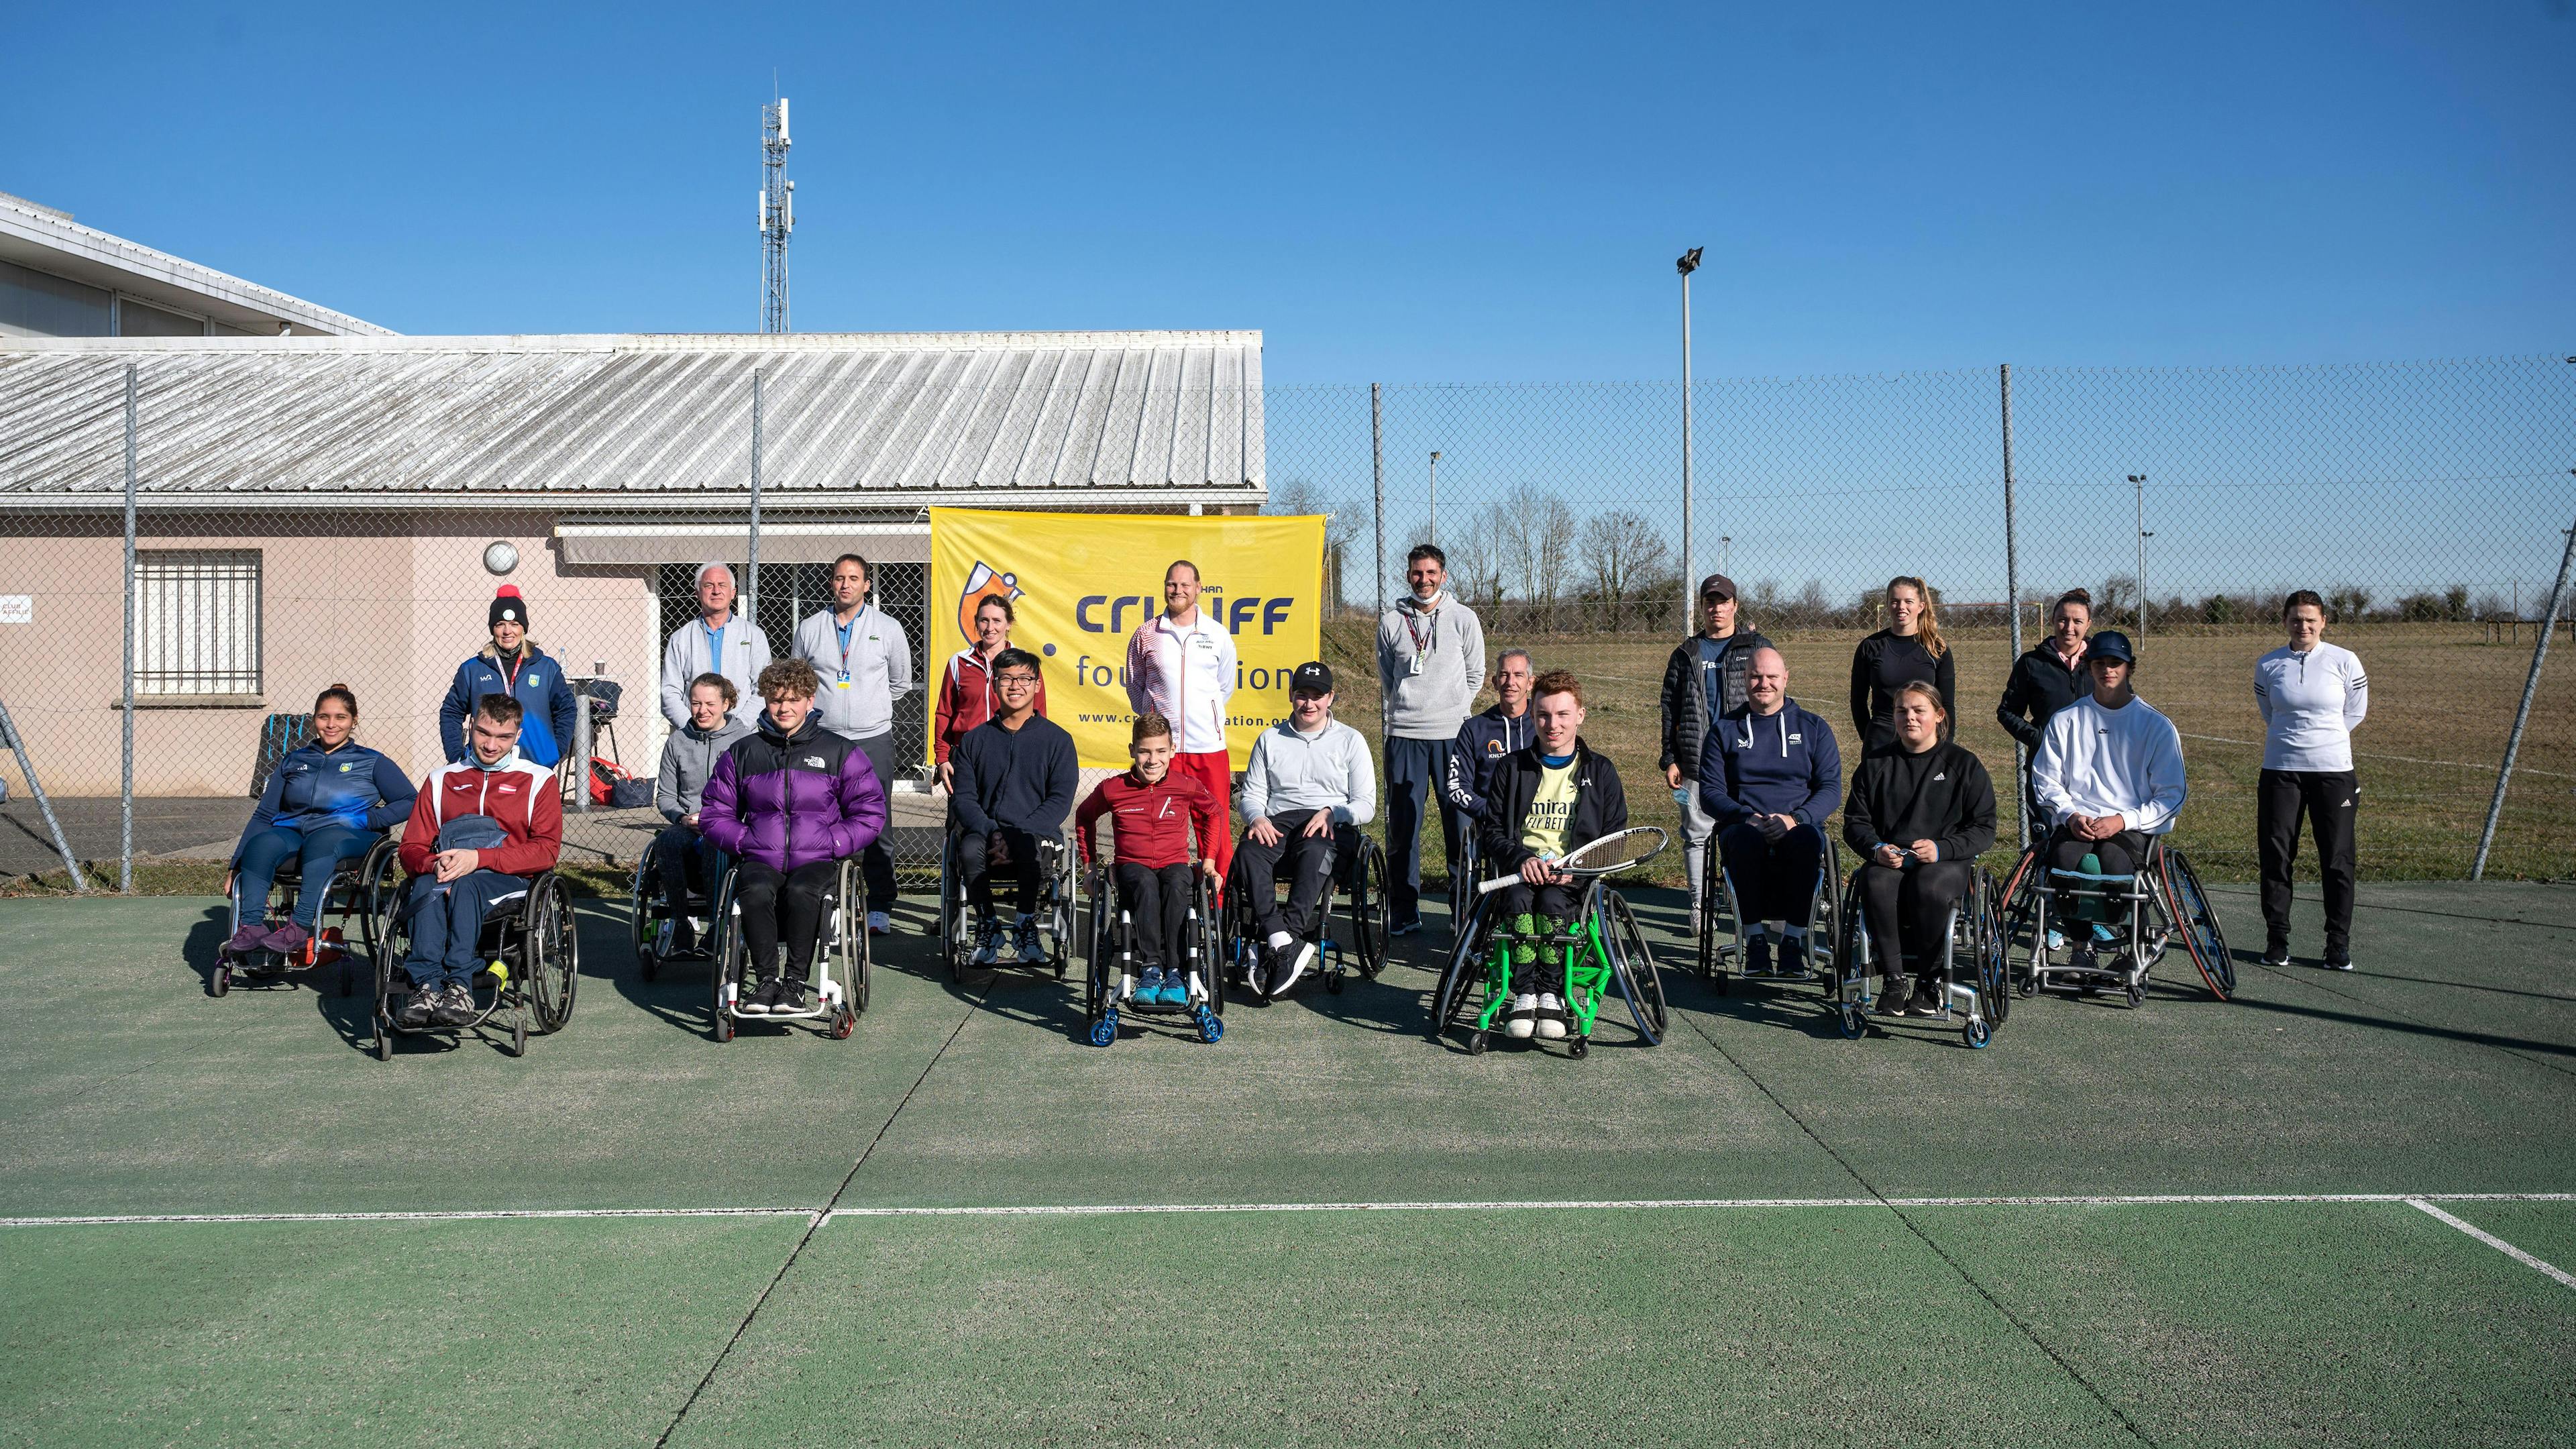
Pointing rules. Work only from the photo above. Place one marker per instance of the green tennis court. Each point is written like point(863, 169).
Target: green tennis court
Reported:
point(2340, 1209)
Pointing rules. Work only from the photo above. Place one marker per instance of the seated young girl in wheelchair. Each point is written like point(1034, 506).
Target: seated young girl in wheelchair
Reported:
point(1919, 815)
point(789, 803)
point(1160, 885)
point(326, 804)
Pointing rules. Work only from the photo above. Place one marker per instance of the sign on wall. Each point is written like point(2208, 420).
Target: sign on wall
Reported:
point(1080, 584)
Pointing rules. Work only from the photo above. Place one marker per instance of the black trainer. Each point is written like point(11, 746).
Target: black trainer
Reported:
point(416, 1012)
point(762, 998)
point(1928, 998)
point(791, 996)
point(2276, 953)
point(1757, 954)
point(1894, 999)
point(1793, 956)
point(455, 1006)
point(2339, 960)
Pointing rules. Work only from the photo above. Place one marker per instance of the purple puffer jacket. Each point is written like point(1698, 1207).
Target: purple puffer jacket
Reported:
point(791, 800)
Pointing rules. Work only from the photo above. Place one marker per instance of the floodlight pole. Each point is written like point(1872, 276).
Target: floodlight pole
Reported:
point(751, 572)
point(1686, 264)
point(2139, 482)
point(125, 789)
point(2012, 610)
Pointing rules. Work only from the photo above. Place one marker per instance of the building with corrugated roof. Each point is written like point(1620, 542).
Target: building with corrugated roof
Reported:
point(59, 278)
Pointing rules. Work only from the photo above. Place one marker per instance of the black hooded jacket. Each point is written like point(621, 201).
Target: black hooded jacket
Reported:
point(2040, 686)
point(1600, 805)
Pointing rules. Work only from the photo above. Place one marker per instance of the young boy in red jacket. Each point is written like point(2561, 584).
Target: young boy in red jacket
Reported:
point(1155, 811)
point(479, 829)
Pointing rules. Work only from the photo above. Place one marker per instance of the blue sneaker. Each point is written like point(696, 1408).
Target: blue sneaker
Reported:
point(1149, 987)
point(1176, 989)
point(2103, 935)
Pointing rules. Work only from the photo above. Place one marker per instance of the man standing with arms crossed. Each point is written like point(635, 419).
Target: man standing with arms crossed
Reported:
point(1430, 663)
point(1180, 665)
point(1704, 679)
point(865, 664)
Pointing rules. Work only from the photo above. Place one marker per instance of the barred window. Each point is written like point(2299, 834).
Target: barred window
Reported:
point(196, 622)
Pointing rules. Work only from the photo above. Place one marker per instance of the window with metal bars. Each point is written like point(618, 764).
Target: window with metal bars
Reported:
point(196, 622)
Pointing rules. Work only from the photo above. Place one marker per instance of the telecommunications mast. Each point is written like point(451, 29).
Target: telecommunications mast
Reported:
point(777, 216)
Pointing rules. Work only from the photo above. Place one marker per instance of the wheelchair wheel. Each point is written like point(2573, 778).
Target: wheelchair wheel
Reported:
point(1462, 885)
point(1459, 978)
point(854, 965)
point(2197, 922)
point(1209, 936)
point(1986, 943)
point(550, 952)
point(1849, 994)
point(952, 936)
point(1640, 981)
point(1060, 913)
point(1828, 904)
point(641, 926)
point(1096, 947)
point(1369, 909)
point(727, 951)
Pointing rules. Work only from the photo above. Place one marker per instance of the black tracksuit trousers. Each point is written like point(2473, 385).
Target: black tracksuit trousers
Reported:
point(2329, 800)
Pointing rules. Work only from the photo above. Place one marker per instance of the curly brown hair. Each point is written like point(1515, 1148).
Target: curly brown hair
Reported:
point(1557, 681)
point(792, 678)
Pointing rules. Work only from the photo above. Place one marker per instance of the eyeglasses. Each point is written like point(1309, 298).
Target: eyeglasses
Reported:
point(1015, 679)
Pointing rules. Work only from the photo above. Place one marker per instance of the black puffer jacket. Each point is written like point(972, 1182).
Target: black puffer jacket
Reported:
point(1600, 805)
point(2040, 686)
point(1686, 710)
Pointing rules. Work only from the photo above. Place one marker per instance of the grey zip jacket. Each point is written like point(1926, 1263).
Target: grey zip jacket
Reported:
point(1429, 705)
point(859, 690)
point(1327, 770)
point(685, 657)
point(688, 757)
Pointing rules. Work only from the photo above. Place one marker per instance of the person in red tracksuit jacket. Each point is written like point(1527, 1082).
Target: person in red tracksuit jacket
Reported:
point(478, 830)
point(1155, 811)
point(965, 697)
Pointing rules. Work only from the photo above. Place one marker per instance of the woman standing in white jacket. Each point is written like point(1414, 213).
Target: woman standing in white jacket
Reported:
point(2312, 695)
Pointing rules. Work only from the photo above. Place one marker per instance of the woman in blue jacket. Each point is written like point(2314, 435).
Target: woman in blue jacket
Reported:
point(326, 802)
point(511, 664)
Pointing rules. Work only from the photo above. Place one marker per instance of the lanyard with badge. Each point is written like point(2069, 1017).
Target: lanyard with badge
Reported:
point(1421, 646)
point(846, 631)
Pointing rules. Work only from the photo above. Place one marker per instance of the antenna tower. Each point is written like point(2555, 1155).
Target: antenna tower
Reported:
point(777, 216)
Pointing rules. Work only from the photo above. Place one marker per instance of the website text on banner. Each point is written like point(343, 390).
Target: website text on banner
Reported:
point(1080, 584)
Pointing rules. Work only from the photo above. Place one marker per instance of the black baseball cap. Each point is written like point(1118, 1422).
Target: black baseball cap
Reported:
point(1717, 586)
point(1311, 677)
point(2110, 644)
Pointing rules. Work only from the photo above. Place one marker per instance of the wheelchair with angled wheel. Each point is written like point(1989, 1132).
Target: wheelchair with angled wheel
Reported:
point(656, 930)
point(530, 946)
point(1109, 976)
point(348, 896)
point(1973, 992)
point(1349, 931)
point(841, 965)
point(1051, 923)
point(1603, 950)
point(1723, 931)
point(2087, 932)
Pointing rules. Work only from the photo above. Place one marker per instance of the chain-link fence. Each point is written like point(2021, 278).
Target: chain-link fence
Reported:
point(2427, 501)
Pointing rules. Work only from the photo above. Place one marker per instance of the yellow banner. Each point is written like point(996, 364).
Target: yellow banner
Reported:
point(1081, 583)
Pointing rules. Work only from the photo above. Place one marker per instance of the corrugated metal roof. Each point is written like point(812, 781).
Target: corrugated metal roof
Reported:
point(893, 414)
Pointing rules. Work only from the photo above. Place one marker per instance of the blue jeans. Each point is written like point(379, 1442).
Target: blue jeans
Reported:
point(447, 924)
point(1414, 771)
point(321, 851)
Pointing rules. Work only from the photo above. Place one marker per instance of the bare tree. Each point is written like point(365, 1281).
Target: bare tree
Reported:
point(1341, 525)
point(1626, 556)
point(1535, 536)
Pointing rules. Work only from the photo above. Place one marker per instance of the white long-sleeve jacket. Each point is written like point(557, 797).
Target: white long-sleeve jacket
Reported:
point(2125, 762)
point(1185, 675)
point(2310, 704)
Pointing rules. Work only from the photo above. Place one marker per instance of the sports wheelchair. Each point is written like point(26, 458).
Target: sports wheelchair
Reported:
point(1355, 894)
point(654, 928)
point(1109, 936)
point(841, 962)
point(1603, 948)
point(1723, 929)
point(531, 948)
point(1053, 917)
point(350, 893)
point(1972, 937)
point(2131, 922)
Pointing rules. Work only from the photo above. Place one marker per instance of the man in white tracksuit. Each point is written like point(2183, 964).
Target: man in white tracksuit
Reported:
point(1309, 786)
point(865, 662)
point(1181, 665)
point(718, 641)
point(2108, 775)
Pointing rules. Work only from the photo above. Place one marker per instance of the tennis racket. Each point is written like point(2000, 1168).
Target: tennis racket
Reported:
point(1610, 854)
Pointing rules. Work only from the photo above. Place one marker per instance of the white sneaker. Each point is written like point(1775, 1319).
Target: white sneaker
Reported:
point(988, 942)
point(1026, 937)
point(1297, 962)
point(1551, 1017)
point(1523, 1018)
point(879, 925)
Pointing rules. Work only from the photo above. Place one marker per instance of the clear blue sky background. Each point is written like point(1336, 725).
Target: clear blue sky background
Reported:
point(1457, 193)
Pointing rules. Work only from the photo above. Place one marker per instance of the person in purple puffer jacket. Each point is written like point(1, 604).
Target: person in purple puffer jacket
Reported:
point(789, 802)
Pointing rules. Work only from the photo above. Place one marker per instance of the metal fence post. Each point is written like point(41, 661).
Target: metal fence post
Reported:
point(125, 788)
point(27, 767)
point(581, 749)
point(2522, 714)
point(1377, 472)
point(2012, 610)
point(751, 569)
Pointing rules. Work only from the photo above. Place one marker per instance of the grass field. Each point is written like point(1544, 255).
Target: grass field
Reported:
point(2442, 703)
point(2193, 1223)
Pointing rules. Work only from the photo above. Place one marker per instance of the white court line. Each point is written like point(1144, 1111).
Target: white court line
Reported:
point(2499, 1244)
point(1084, 1210)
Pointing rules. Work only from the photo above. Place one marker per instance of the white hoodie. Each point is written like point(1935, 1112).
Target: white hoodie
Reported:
point(2095, 761)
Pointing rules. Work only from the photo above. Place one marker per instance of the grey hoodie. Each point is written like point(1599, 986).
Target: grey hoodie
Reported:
point(688, 757)
point(1432, 704)
point(1327, 770)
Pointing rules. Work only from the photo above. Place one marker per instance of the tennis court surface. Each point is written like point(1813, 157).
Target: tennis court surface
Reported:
point(2340, 1209)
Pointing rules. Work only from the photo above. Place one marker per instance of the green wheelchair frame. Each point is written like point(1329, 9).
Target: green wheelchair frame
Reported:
point(1604, 948)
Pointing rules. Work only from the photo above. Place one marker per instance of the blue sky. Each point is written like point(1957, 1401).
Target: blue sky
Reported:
point(1468, 193)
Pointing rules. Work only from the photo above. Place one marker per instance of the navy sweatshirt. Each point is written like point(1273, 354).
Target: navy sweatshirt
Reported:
point(1780, 764)
point(313, 788)
point(1022, 779)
